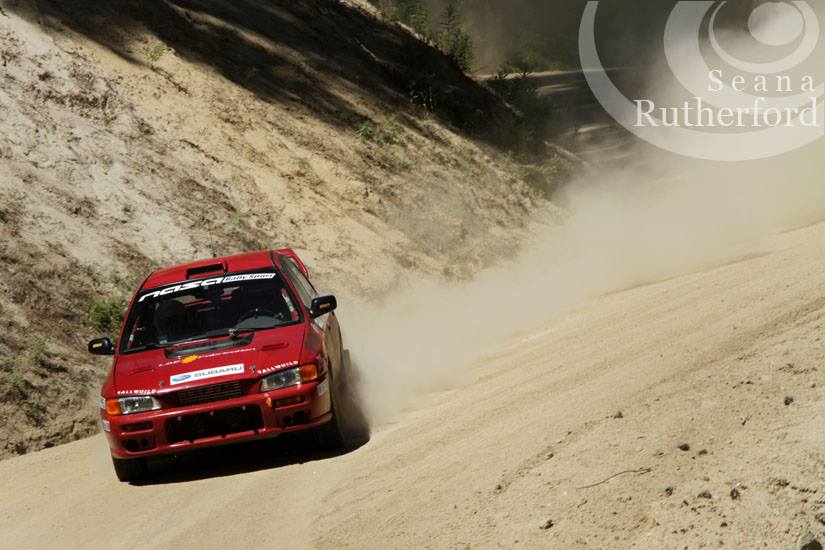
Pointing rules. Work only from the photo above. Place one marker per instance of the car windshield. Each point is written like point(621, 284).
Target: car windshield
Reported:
point(208, 308)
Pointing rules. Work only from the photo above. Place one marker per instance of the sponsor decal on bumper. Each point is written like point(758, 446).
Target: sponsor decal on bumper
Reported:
point(322, 388)
point(279, 367)
point(137, 392)
point(205, 374)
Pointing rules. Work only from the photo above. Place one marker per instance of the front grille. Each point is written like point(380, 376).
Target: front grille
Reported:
point(209, 394)
point(216, 423)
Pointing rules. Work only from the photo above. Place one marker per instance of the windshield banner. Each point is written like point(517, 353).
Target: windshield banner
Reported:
point(207, 283)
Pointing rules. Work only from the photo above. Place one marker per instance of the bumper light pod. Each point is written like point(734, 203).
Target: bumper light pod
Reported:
point(288, 402)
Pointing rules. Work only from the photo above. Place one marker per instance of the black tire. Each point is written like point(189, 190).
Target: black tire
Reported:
point(348, 426)
point(130, 469)
point(330, 436)
point(356, 427)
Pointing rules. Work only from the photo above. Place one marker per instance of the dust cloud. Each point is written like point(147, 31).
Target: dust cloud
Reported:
point(617, 234)
point(659, 218)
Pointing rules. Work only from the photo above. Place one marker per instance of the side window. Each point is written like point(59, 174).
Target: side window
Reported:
point(305, 289)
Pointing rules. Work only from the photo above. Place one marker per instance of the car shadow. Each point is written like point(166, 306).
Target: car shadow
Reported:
point(241, 458)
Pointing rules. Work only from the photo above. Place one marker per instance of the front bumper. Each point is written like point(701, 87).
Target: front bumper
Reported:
point(247, 418)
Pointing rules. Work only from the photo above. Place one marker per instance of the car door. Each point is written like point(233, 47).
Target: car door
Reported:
point(328, 323)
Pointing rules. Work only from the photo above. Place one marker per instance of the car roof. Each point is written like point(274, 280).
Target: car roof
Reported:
point(195, 270)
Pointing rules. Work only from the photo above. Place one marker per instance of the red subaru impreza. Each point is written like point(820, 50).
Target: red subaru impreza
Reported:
point(223, 351)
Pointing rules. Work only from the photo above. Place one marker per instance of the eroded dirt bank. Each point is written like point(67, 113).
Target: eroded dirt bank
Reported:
point(144, 134)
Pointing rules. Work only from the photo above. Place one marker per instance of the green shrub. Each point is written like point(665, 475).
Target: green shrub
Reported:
point(154, 53)
point(546, 177)
point(251, 73)
point(368, 131)
point(8, 364)
point(422, 96)
point(237, 219)
point(36, 354)
point(537, 112)
point(410, 12)
point(448, 35)
point(14, 383)
point(11, 377)
point(397, 163)
point(388, 132)
point(106, 315)
point(530, 52)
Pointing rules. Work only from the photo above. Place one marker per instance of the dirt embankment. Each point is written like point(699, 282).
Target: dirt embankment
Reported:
point(140, 134)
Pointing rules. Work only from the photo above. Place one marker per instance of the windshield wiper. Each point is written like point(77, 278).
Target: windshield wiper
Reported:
point(201, 338)
point(144, 347)
point(237, 333)
point(233, 333)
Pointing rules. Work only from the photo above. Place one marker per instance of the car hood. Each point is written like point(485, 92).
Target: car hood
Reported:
point(154, 373)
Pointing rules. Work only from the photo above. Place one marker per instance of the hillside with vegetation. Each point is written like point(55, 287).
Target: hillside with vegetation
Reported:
point(529, 35)
point(147, 133)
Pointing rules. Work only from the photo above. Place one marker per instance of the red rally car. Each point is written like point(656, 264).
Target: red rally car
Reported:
point(222, 351)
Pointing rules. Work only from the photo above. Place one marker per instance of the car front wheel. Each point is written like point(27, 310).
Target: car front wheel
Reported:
point(130, 469)
point(348, 426)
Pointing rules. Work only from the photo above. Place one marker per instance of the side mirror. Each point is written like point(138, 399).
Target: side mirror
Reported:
point(323, 305)
point(101, 346)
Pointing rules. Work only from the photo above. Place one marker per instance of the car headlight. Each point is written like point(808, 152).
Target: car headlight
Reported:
point(132, 405)
point(290, 377)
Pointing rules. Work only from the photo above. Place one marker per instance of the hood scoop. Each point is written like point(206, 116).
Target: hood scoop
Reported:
point(275, 346)
point(140, 370)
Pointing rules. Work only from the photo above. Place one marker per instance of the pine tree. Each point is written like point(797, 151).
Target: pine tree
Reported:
point(452, 40)
point(415, 14)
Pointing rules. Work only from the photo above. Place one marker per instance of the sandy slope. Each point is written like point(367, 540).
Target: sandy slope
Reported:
point(115, 162)
point(705, 359)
